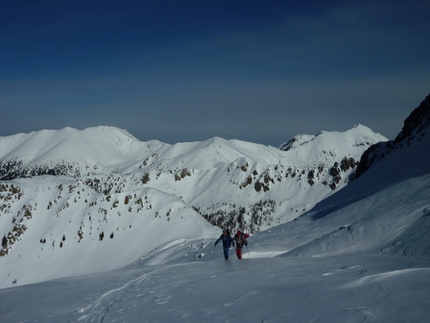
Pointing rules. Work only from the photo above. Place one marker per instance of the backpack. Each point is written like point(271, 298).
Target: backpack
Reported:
point(240, 239)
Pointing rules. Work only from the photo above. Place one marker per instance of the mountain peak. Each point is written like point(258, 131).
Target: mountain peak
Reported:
point(314, 147)
point(416, 126)
point(417, 122)
point(69, 151)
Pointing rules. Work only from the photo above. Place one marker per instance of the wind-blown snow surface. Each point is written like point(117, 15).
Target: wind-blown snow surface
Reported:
point(356, 265)
point(361, 255)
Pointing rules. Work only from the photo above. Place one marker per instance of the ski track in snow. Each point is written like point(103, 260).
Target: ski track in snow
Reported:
point(356, 288)
point(240, 298)
point(97, 311)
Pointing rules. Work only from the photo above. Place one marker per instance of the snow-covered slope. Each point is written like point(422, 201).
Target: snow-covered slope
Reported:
point(64, 228)
point(360, 255)
point(101, 198)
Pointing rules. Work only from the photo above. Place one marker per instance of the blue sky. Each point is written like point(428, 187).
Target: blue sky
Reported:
point(177, 71)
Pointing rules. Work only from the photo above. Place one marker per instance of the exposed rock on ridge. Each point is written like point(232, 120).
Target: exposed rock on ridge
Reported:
point(415, 127)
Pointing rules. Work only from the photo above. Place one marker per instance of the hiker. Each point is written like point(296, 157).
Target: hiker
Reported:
point(240, 239)
point(227, 241)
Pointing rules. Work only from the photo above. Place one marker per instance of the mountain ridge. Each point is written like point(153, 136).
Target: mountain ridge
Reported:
point(161, 197)
point(230, 167)
point(415, 127)
point(80, 149)
point(68, 206)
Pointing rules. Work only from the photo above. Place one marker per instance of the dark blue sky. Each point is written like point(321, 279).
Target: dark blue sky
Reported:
point(176, 71)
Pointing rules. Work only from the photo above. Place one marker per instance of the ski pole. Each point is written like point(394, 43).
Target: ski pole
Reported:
point(248, 251)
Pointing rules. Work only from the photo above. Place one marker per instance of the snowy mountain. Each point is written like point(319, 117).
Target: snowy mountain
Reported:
point(77, 193)
point(355, 251)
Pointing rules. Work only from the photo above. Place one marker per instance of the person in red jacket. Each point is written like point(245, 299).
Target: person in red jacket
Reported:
point(240, 239)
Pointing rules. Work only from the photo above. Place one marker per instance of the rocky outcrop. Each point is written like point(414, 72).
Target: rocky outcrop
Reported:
point(417, 124)
point(415, 127)
point(17, 168)
point(295, 142)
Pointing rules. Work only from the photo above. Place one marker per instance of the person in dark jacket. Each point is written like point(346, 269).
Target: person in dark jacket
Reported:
point(227, 241)
point(240, 239)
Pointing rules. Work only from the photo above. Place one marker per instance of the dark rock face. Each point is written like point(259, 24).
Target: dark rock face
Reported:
point(417, 122)
point(16, 168)
point(415, 127)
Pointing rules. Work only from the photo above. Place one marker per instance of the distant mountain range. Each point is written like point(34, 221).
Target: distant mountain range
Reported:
point(102, 197)
point(230, 182)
